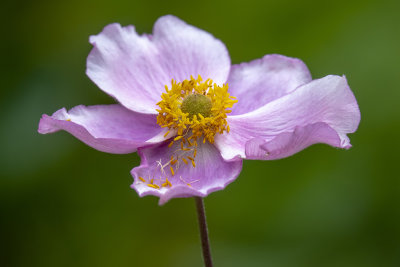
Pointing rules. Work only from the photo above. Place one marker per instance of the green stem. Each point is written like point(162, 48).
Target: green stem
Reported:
point(205, 243)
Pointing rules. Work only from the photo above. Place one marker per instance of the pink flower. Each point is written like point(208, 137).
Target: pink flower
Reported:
point(193, 136)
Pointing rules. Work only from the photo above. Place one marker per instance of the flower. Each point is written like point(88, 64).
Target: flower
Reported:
point(192, 116)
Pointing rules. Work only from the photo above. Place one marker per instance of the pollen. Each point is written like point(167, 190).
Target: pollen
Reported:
point(195, 109)
point(167, 183)
point(153, 186)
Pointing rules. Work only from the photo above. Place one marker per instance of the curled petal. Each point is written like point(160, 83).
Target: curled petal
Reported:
point(289, 143)
point(263, 80)
point(135, 69)
point(167, 172)
point(328, 100)
point(108, 128)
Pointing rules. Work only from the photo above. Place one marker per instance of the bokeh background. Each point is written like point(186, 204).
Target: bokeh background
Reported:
point(65, 204)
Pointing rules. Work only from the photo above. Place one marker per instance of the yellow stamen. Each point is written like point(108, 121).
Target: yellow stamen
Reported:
point(178, 137)
point(167, 183)
point(205, 123)
point(153, 186)
point(141, 179)
point(184, 160)
point(172, 170)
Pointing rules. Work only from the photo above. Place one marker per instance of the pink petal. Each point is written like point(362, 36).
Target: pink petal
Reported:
point(134, 69)
point(328, 101)
point(263, 80)
point(108, 128)
point(289, 143)
point(211, 173)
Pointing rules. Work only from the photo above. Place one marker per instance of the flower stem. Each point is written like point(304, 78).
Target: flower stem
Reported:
point(205, 243)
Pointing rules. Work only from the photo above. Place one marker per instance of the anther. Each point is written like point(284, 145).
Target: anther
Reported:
point(178, 137)
point(153, 186)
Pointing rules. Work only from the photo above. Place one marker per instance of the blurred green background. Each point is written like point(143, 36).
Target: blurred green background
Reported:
point(65, 204)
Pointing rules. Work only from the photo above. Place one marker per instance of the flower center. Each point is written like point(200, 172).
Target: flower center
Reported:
point(195, 109)
point(195, 104)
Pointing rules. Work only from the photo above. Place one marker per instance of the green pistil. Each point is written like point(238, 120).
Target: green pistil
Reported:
point(195, 104)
